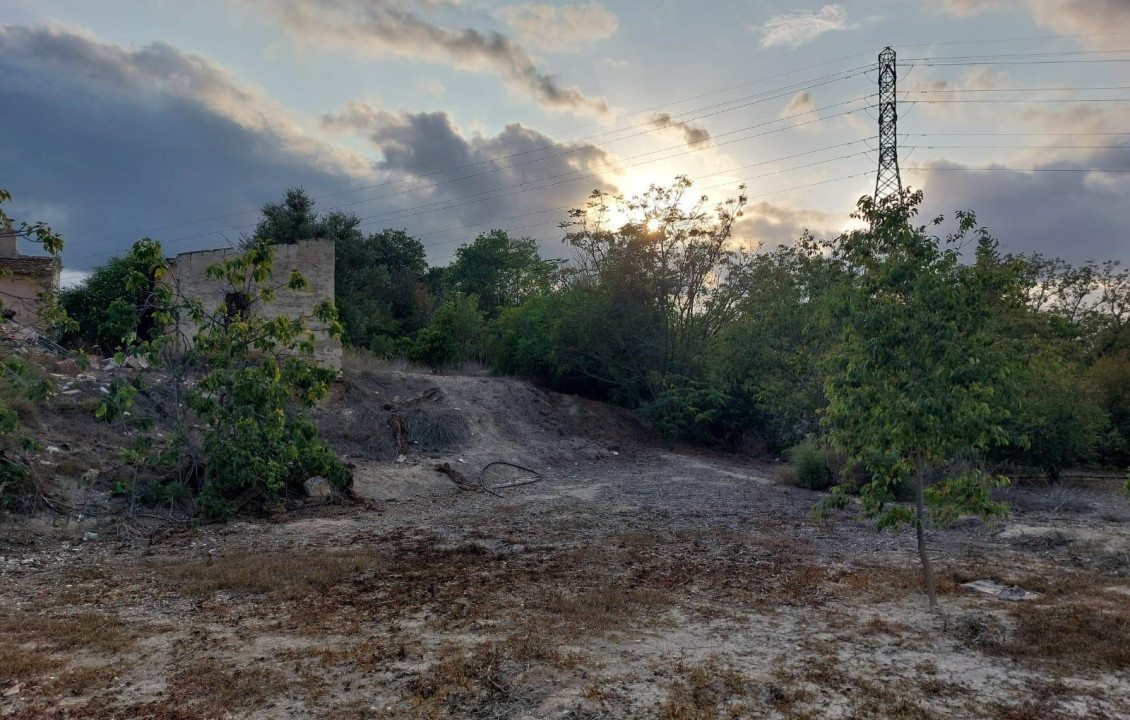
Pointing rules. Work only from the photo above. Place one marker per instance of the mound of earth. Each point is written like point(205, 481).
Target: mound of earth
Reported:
point(385, 415)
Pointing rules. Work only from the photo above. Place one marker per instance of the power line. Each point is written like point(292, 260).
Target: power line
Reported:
point(1006, 40)
point(1011, 101)
point(673, 122)
point(700, 177)
point(1013, 134)
point(1020, 170)
point(1013, 55)
point(931, 63)
point(609, 165)
point(1029, 89)
point(1020, 147)
point(390, 215)
point(712, 187)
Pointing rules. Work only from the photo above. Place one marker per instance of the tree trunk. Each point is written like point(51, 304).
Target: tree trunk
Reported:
point(920, 528)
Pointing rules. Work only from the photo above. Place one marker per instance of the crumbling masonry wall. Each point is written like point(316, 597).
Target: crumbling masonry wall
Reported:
point(314, 259)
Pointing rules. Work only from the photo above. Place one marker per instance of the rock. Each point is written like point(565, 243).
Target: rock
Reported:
point(318, 487)
point(14, 690)
point(90, 536)
point(1014, 593)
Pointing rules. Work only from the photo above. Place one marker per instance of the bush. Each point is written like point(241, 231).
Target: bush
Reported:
point(814, 465)
point(454, 335)
point(116, 300)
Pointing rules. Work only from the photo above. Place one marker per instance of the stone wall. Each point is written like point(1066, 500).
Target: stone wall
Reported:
point(314, 259)
point(20, 295)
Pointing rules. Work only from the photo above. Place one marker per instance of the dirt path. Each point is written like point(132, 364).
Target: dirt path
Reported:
point(629, 583)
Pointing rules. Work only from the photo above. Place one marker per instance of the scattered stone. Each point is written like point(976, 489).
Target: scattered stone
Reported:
point(14, 690)
point(318, 487)
point(1013, 593)
point(53, 449)
point(90, 536)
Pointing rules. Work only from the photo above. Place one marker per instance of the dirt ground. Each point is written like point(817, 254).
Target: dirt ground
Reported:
point(630, 582)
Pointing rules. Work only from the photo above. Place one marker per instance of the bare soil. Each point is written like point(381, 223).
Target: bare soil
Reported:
point(630, 582)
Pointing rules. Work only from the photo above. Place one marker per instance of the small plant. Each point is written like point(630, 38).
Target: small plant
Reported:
point(812, 464)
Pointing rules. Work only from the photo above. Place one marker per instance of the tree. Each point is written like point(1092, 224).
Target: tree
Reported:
point(379, 285)
point(239, 392)
point(454, 334)
point(113, 302)
point(501, 271)
point(650, 295)
point(916, 380)
point(19, 381)
point(294, 220)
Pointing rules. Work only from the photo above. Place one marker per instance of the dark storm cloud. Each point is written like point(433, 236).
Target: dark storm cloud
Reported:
point(478, 178)
point(1074, 215)
point(96, 138)
point(110, 144)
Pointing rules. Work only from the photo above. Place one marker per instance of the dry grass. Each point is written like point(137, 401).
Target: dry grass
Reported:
point(705, 692)
point(215, 689)
point(1091, 634)
point(83, 680)
point(91, 631)
point(19, 663)
point(289, 574)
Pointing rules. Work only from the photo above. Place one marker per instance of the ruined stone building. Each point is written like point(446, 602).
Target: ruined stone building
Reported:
point(24, 279)
point(314, 259)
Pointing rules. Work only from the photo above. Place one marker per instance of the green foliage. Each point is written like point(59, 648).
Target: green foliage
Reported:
point(251, 390)
point(690, 410)
point(503, 272)
point(917, 377)
point(379, 287)
point(522, 339)
point(455, 334)
point(116, 301)
point(294, 220)
point(813, 465)
point(1056, 414)
point(23, 386)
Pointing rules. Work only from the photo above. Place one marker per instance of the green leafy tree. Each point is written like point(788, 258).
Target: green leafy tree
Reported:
point(379, 286)
point(243, 378)
point(455, 334)
point(21, 384)
point(501, 271)
point(916, 380)
point(115, 301)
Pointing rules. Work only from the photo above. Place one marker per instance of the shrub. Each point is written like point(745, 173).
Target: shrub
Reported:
point(247, 438)
point(454, 335)
point(813, 465)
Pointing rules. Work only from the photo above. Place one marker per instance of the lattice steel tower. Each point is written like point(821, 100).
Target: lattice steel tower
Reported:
point(888, 182)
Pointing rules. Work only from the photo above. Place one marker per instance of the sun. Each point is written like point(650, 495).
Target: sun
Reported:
point(654, 224)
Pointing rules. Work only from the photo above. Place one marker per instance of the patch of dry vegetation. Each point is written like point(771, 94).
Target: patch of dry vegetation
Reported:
point(292, 574)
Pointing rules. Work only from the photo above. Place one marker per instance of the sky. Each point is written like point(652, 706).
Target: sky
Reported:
point(124, 119)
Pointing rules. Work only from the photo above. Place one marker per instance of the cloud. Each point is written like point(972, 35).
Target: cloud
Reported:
point(114, 143)
point(393, 28)
point(1074, 215)
point(802, 102)
point(429, 145)
point(692, 135)
point(768, 225)
point(798, 28)
point(1065, 17)
point(560, 28)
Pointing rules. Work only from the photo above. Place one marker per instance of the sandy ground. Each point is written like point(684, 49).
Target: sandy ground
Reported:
point(630, 582)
